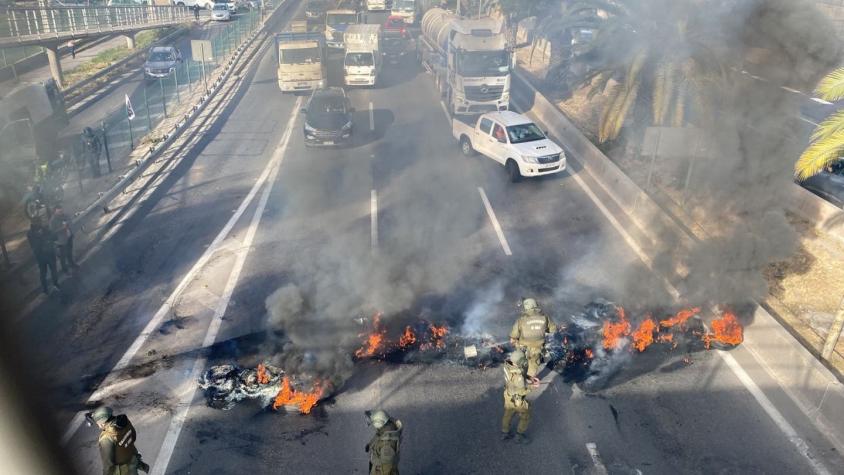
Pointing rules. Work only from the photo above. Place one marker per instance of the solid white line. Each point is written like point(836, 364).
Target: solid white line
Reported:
point(162, 312)
point(494, 220)
point(373, 224)
point(773, 413)
point(178, 420)
point(786, 88)
point(821, 101)
point(371, 117)
point(445, 111)
point(592, 448)
point(808, 121)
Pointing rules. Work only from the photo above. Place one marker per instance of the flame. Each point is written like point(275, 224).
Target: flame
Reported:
point(588, 353)
point(726, 329)
point(374, 341)
point(680, 318)
point(615, 332)
point(643, 337)
point(407, 338)
point(438, 333)
point(303, 400)
point(263, 376)
point(666, 337)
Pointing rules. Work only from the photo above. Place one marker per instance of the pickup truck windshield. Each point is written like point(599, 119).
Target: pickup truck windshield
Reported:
point(524, 133)
point(300, 56)
point(160, 57)
point(358, 59)
point(483, 63)
point(341, 19)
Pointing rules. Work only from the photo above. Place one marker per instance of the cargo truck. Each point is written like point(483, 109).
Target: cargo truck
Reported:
point(362, 62)
point(336, 22)
point(469, 59)
point(301, 61)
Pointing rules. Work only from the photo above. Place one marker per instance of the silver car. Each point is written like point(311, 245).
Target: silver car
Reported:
point(221, 12)
point(162, 61)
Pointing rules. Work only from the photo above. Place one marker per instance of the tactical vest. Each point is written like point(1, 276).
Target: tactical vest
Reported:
point(532, 328)
point(385, 451)
point(514, 386)
point(123, 439)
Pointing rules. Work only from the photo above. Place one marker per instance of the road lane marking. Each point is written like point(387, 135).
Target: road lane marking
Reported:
point(786, 88)
point(495, 225)
point(168, 446)
point(373, 223)
point(592, 448)
point(164, 310)
point(445, 111)
point(807, 121)
point(371, 118)
point(821, 101)
point(773, 413)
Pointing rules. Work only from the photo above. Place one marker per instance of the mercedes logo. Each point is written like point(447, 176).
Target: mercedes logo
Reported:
point(484, 89)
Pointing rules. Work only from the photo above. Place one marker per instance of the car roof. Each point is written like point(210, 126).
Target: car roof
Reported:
point(508, 118)
point(162, 49)
point(330, 91)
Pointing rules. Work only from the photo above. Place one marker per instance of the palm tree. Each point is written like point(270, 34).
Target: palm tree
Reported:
point(663, 51)
point(828, 138)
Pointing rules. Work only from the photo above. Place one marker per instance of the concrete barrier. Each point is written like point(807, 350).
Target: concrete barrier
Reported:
point(813, 387)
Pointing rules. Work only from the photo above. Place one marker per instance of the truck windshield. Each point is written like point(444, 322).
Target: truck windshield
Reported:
point(300, 56)
point(524, 133)
point(358, 59)
point(341, 19)
point(403, 5)
point(483, 63)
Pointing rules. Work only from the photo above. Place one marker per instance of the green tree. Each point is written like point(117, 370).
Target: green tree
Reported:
point(828, 138)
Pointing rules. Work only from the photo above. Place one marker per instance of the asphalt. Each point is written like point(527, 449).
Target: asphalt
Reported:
point(443, 259)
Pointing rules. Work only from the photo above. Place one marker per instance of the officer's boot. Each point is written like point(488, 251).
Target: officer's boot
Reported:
point(506, 436)
point(522, 439)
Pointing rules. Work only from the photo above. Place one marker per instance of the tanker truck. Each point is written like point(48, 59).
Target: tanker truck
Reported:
point(469, 59)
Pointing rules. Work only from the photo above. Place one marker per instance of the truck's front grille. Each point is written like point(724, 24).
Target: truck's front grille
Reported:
point(484, 93)
point(337, 35)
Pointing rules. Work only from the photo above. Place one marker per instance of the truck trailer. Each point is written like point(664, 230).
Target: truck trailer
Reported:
point(469, 59)
point(301, 61)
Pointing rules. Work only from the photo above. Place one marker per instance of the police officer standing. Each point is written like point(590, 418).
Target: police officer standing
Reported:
point(516, 388)
point(384, 446)
point(528, 334)
point(117, 443)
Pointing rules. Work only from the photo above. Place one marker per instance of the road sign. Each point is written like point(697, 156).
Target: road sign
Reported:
point(201, 50)
point(130, 111)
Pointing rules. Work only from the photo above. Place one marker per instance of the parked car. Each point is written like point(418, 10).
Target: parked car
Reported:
point(230, 4)
point(204, 4)
point(221, 12)
point(828, 184)
point(162, 61)
point(328, 117)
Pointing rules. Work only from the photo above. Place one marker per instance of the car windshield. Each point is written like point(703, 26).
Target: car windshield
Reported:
point(300, 56)
point(524, 133)
point(341, 19)
point(221, 6)
point(484, 63)
point(327, 105)
point(358, 59)
point(395, 22)
point(160, 56)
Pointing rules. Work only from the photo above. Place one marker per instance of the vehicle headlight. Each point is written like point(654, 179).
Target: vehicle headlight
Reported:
point(309, 129)
point(530, 159)
point(372, 72)
point(347, 125)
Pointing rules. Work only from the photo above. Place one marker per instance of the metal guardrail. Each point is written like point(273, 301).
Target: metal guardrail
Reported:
point(34, 25)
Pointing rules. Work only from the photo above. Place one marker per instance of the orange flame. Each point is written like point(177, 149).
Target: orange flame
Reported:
point(588, 353)
point(438, 334)
point(303, 400)
point(643, 337)
point(407, 338)
point(666, 338)
point(726, 329)
point(263, 376)
point(680, 318)
point(374, 341)
point(615, 332)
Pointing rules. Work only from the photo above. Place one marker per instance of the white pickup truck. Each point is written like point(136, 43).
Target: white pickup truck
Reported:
point(512, 140)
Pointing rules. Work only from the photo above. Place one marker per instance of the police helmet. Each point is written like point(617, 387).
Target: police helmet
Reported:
point(379, 419)
point(517, 356)
point(529, 304)
point(102, 414)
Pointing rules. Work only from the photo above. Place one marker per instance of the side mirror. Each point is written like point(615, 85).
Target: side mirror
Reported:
point(303, 110)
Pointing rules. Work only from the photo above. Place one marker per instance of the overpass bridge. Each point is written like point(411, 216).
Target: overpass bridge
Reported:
point(51, 26)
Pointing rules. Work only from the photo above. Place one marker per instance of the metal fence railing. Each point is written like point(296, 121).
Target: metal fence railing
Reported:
point(36, 24)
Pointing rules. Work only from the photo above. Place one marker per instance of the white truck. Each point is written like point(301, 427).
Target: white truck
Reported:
point(376, 5)
point(301, 61)
point(512, 140)
point(362, 62)
point(336, 23)
point(405, 9)
point(469, 59)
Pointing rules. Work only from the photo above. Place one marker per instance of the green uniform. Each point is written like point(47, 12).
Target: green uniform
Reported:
point(529, 332)
point(384, 449)
point(515, 390)
point(117, 447)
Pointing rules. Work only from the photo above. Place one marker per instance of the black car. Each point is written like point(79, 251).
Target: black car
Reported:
point(328, 117)
point(315, 11)
point(828, 184)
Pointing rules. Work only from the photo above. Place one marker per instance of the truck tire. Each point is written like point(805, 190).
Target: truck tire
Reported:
point(466, 146)
point(513, 171)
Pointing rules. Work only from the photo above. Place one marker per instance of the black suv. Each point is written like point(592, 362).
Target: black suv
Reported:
point(328, 117)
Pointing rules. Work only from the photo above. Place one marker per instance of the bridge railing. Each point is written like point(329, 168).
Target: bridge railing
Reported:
point(66, 22)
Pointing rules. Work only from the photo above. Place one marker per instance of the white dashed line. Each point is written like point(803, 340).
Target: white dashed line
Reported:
point(808, 121)
point(445, 111)
point(821, 101)
point(786, 88)
point(371, 117)
point(495, 225)
point(600, 469)
point(373, 224)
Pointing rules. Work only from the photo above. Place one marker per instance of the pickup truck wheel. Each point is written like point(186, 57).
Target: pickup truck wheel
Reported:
point(513, 171)
point(466, 146)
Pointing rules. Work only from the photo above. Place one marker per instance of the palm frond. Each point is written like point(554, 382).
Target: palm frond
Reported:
point(819, 155)
point(615, 95)
point(626, 105)
point(831, 87)
point(679, 117)
point(830, 126)
point(599, 85)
